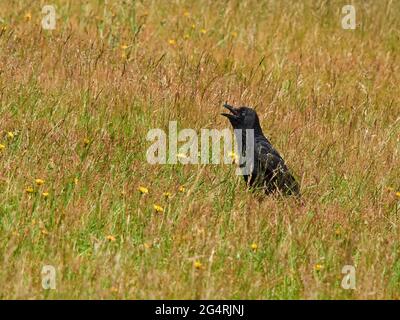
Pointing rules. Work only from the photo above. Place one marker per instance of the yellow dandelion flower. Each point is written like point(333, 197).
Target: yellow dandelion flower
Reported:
point(318, 267)
point(203, 31)
point(181, 156)
point(110, 238)
point(2, 146)
point(172, 42)
point(10, 134)
point(76, 180)
point(167, 195)
point(193, 26)
point(29, 190)
point(143, 190)
point(158, 208)
point(28, 16)
point(147, 245)
point(234, 157)
point(181, 189)
point(197, 265)
point(254, 246)
point(114, 290)
point(86, 141)
point(39, 182)
point(45, 194)
point(398, 194)
point(234, 34)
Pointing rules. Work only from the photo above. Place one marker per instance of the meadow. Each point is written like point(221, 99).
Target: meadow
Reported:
point(78, 194)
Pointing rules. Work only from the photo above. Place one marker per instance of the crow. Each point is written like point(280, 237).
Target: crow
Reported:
point(269, 172)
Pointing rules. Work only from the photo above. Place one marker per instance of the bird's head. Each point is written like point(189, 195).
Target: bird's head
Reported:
point(242, 118)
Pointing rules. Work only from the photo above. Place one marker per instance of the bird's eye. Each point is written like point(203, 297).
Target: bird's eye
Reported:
point(243, 114)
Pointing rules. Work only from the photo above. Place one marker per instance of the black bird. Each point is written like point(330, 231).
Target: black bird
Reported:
point(269, 172)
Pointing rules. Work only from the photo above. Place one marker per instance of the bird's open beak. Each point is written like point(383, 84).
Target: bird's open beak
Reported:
point(234, 113)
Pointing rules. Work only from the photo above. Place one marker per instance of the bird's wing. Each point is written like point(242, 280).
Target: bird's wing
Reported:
point(270, 161)
point(276, 170)
point(268, 156)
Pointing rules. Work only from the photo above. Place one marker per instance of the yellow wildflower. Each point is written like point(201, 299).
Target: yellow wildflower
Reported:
point(181, 189)
point(39, 182)
point(167, 195)
point(147, 245)
point(318, 267)
point(76, 180)
point(10, 134)
point(45, 194)
point(181, 155)
point(158, 208)
point(2, 146)
point(110, 238)
point(233, 156)
point(29, 190)
point(254, 246)
point(186, 36)
point(193, 26)
point(28, 16)
point(143, 190)
point(45, 232)
point(398, 194)
point(124, 46)
point(197, 265)
point(186, 14)
point(172, 42)
point(234, 34)
point(203, 31)
point(86, 141)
